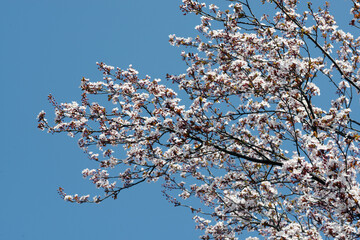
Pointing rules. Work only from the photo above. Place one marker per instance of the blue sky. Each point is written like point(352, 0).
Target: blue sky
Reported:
point(47, 47)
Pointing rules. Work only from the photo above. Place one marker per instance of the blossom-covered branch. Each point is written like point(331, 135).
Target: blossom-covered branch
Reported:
point(246, 141)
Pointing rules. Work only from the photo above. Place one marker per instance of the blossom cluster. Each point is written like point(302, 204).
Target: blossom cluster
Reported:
point(264, 137)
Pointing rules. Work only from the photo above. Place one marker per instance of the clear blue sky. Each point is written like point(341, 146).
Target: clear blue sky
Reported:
point(48, 46)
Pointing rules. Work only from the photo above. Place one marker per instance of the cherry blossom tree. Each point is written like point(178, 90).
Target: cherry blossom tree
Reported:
point(260, 135)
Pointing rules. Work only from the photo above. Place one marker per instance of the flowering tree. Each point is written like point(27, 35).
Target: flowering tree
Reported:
point(253, 139)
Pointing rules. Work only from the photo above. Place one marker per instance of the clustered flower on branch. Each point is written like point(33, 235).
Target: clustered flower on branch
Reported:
point(249, 135)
